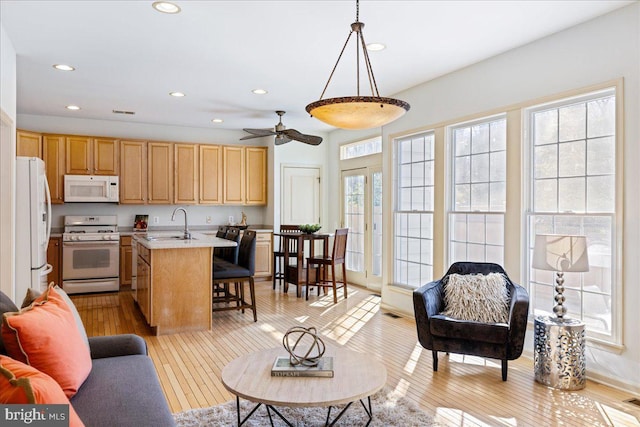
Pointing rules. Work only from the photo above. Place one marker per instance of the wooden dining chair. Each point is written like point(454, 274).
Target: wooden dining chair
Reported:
point(278, 255)
point(321, 263)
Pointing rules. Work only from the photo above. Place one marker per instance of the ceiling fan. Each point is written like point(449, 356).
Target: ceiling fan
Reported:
point(282, 134)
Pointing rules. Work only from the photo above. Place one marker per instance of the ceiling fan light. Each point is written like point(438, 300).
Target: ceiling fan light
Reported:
point(358, 112)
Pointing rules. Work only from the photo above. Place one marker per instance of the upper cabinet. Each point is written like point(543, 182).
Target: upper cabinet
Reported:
point(53, 154)
point(245, 175)
point(234, 175)
point(133, 172)
point(28, 144)
point(91, 156)
point(210, 174)
point(256, 176)
point(153, 172)
point(186, 178)
point(160, 168)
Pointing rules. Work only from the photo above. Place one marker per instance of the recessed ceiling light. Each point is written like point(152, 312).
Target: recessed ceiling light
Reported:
point(177, 94)
point(166, 7)
point(217, 120)
point(259, 91)
point(63, 67)
point(374, 47)
point(72, 107)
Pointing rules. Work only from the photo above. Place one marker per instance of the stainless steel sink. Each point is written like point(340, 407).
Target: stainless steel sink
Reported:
point(166, 238)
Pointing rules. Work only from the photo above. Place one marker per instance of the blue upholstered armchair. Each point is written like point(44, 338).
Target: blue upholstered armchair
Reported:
point(439, 332)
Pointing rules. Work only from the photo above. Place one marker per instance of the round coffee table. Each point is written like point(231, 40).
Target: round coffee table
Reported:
point(356, 376)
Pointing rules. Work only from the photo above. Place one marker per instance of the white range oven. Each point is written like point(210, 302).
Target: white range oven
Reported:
point(90, 254)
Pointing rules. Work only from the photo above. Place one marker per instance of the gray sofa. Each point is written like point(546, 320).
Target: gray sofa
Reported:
point(122, 388)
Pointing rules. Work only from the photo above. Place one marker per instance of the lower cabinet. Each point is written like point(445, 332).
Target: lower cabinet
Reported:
point(126, 262)
point(54, 257)
point(144, 281)
point(264, 256)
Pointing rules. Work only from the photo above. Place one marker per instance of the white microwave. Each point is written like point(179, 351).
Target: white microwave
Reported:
point(91, 188)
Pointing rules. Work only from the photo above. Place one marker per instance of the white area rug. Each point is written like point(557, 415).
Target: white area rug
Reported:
point(388, 410)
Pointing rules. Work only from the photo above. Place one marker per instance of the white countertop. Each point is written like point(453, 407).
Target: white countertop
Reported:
point(198, 240)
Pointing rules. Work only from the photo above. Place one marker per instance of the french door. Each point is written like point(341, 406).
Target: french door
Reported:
point(362, 214)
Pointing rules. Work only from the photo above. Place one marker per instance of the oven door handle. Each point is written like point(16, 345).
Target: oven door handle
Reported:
point(91, 243)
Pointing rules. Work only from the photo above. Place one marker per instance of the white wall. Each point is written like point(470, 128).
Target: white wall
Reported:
point(598, 51)
point(8, 89)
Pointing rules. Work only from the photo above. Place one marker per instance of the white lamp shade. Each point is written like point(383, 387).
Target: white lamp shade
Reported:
point(555, 252)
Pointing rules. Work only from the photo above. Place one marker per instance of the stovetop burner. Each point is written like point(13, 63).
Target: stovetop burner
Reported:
point(90, 228)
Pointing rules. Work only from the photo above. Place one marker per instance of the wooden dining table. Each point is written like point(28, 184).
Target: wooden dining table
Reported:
point(296, 274)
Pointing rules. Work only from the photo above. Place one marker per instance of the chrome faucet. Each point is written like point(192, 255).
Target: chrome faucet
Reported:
point(187, 234)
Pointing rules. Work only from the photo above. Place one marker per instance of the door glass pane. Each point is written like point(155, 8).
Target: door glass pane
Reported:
point(354, 187)
point(376, 206)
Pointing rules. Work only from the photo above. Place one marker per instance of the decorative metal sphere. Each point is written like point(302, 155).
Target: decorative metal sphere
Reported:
point(307, 339)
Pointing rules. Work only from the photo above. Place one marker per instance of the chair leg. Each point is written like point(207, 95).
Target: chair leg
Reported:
point(252, 292)
point(504, 369)
point(275, 270)
point(306, 288)
point(344, 279)
point(435, 360)
point(333, 282)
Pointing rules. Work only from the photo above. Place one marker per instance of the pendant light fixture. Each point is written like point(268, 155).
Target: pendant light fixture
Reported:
point(357, 112)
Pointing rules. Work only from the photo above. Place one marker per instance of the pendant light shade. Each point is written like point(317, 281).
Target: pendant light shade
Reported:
point(357, 112)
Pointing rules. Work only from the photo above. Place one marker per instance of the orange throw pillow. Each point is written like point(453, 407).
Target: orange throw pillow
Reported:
point(45, 336)
point(22, 384)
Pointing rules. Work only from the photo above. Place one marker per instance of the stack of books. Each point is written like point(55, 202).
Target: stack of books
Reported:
point(282, 367)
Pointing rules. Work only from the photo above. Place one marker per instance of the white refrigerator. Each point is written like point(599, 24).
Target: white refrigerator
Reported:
point(33, 226)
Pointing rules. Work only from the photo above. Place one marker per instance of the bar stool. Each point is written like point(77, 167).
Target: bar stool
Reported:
point(278, 255)
point(337, 257)
point(226, 273)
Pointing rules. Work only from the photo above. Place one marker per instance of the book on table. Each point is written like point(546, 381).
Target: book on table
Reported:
point(282, 367)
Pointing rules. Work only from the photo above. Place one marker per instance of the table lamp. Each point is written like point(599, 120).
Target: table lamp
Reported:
point(560, 253)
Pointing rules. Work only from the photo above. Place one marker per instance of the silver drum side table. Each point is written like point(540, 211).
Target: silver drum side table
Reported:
point(559, 352)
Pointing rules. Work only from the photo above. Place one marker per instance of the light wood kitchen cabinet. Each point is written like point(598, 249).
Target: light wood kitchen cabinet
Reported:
point(264, 256)
point(234, 175)
point(53, 154)
point(210, 174)
point(186, 176)
point(91, 156)
point(144, 281)
point(54, 257)
point(28, 144)
point(133, 172)
point(125, 260)
point(256, 178)
point(160, 167)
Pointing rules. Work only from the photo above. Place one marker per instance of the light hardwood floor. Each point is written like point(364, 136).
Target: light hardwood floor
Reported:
point(466, 391)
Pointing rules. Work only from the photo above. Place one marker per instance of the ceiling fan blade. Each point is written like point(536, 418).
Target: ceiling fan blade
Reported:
point(257, 133)
point(281, 139)
point(307, 139)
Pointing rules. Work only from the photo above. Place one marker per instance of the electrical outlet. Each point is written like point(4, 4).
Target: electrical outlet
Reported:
point(208, 220)
point(231, 221)
point(156, 219)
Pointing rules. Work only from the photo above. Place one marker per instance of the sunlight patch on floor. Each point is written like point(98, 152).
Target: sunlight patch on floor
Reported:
point(459, 418)
point(302, 319)
point(347, 325)
point(413, 359)
point(473, 360)
point(616, 417)
point(272, 331)
point(397, 393)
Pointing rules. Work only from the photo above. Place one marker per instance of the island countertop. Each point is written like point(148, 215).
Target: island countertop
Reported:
point(164, 240)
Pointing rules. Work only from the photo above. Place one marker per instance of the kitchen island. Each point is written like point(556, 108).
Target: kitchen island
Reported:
point(174, 280)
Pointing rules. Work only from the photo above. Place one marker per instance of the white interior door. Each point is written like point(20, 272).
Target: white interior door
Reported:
point(300, 195)
point(362, 213)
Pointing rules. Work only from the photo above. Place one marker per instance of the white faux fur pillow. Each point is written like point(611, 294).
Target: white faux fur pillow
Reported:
point(477, 297)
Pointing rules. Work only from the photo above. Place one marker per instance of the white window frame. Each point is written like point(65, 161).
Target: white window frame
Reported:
point(451, 191)
point(615, 338)
point(426, 264)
